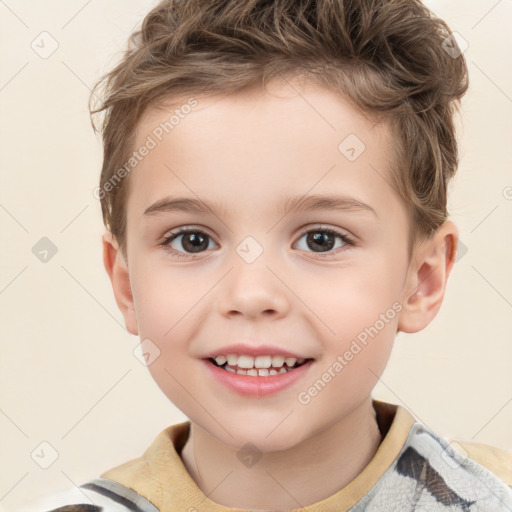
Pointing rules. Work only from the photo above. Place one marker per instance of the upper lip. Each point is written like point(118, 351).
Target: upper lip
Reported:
point(253, 350)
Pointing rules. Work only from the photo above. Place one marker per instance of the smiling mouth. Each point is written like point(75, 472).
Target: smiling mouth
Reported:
point(260, 372)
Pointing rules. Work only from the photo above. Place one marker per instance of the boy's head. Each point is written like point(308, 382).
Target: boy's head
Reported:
point(245, 106)
point(389, 58)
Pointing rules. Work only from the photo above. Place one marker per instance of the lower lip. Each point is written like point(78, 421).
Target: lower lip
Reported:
point(250, 385)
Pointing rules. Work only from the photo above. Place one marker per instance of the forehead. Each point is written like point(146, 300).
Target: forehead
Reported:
point(287, 140)
point(289, 101)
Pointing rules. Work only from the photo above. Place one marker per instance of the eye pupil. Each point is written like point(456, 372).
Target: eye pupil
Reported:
point(197, 242)
point(322, 239)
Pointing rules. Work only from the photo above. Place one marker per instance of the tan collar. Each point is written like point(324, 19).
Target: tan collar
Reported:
point(161, 477)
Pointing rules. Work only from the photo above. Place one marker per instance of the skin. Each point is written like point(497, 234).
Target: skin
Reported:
point(248, 151)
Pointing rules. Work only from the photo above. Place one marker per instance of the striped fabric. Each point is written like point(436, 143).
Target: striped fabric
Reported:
point(430, 475)
point(99, 495)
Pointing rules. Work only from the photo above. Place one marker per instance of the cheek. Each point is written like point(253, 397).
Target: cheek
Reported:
point(168, 320)
point(359, 320)
point(166, 316)
point(163, 302)
point(348, 300)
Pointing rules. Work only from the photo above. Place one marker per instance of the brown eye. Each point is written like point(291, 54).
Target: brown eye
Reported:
point(187, 241)
point(323, 240)
point(194, 242)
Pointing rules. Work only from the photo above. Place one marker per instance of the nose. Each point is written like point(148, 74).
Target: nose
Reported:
point(254, 290)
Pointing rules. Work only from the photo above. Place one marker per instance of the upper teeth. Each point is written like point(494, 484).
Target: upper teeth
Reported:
point(256, 362)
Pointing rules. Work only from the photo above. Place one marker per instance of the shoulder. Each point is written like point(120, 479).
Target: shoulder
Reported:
point(496, 460)
point(435, 468)
point(99, 495)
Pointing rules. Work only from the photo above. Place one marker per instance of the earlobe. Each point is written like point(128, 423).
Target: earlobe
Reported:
point(117, 270)
point(428, 276)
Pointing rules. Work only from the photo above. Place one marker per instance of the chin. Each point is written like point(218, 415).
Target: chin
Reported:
point(267, 436)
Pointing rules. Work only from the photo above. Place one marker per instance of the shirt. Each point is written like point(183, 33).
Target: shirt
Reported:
point(413, 470)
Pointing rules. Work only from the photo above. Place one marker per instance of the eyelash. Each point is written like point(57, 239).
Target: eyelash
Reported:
point(347, 240)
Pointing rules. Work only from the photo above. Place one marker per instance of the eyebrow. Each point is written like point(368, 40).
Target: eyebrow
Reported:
point(290, 204)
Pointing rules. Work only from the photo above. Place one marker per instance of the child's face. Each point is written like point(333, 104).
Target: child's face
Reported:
point(312, 296)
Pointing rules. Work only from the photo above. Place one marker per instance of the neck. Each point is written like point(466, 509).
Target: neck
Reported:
point(307, 473)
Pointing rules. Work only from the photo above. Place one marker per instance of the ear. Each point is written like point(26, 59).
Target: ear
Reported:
point(117, 270)
point(427, 278)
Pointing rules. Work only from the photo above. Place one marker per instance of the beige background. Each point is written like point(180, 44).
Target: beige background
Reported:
point(68, 374)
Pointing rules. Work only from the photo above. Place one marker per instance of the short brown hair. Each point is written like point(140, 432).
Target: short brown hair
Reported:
point(388, 57)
